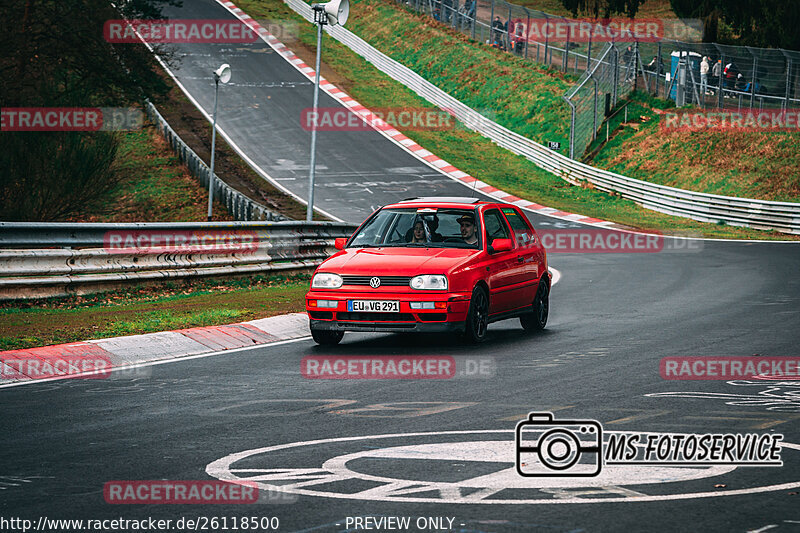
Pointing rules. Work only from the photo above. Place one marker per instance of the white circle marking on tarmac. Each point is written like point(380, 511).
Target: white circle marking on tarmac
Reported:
point(609, 484)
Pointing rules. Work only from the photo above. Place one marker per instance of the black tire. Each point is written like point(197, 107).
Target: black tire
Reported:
point(478, 316)
point(536, 320)
point(327, 337)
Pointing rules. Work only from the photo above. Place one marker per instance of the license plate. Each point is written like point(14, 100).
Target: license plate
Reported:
point(374, 306)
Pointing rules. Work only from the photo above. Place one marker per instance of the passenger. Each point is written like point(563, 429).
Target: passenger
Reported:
point(417, 233)
point(433, 225)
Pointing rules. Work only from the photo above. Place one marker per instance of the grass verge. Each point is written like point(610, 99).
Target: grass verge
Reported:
point(746, 164)
point(146, 310)
point(154, 186)
point(505, 75)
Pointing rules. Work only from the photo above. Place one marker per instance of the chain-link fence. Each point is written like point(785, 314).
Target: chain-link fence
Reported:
point(711, 75)
point(733, 77)
point(611, 76)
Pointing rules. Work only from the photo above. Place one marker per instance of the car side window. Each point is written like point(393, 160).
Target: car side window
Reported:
point(496, 227)
point(522, 230)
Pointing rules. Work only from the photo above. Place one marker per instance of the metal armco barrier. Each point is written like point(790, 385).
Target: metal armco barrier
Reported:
point(48, 259)
point(238, 205)
point(759, 214)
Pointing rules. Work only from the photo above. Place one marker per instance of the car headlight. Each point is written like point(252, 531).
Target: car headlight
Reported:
point(434, 282)
point(326, 281)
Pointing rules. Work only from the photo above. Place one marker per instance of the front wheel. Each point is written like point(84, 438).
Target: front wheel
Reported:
point(478, 316)
point(327, 338)
point(536, 320)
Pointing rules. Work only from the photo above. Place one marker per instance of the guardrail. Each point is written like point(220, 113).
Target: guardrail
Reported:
point(759, 214)
point(238, 205)
point(49, 259)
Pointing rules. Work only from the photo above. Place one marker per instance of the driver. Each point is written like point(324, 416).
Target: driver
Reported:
point(468, 233)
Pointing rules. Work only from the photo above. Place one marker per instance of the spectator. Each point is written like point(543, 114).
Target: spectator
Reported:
point(704, 76)
point(716, 70)
point(497, 30)
point(655, 66)
point(730, 71)
point(741, 83)
point(519, 39)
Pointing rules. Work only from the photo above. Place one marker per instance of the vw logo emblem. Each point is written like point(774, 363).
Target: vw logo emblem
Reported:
point(375, 282)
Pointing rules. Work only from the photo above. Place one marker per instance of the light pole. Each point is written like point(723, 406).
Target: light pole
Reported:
point(222, 74)
point(333, 13)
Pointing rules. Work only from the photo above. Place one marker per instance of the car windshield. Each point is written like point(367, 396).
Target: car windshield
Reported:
point(419, 227)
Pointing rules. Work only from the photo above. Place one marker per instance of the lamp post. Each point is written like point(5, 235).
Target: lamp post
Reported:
point(222, 74)
point(333, 13)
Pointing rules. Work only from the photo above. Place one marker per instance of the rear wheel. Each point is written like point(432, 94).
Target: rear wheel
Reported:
point(478, 316)
point(326, 337)
point(537, 319)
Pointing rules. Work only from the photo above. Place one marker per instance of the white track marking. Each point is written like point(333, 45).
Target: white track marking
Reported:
point(309, 476)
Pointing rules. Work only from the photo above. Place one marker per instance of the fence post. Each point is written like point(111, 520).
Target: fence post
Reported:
point(753, 78)
point(594, 115)
point(508, 31)
point(615, 79)
point(546, 37)
point(491, 24)
point(474, 17)
point(721, 78)
point(788, 78)
point(571, 128)
point(589, 54)
point(566, 55)
point(658, 69)
point(527, 30)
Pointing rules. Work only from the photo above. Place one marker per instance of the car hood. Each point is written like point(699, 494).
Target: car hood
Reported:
point(396, 261)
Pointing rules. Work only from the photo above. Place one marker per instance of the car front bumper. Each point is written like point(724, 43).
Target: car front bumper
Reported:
point(450, 317)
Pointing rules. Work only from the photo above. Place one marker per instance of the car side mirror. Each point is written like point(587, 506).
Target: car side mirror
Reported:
point(339, 243)
point(500, 245)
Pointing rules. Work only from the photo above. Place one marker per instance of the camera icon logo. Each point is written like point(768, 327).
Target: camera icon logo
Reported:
point(558, 448)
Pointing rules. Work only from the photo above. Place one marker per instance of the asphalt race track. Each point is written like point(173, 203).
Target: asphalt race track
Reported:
point(439, 451)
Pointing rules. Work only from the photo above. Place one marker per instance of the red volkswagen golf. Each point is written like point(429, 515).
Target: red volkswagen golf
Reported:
point(432, 265)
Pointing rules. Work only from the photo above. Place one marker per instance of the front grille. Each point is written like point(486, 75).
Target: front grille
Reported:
point(388, 281)
point(376, 317)
point(321, 315)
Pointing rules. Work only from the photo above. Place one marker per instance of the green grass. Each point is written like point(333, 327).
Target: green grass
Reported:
point(154, 186)
point(530, 91)
point(145, 310)
point(762, 165)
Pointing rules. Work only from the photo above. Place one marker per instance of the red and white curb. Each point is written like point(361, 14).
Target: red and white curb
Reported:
point(401, 140)
point(126, 352)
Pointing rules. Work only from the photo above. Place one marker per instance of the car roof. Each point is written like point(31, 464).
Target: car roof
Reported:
point(439, 201)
